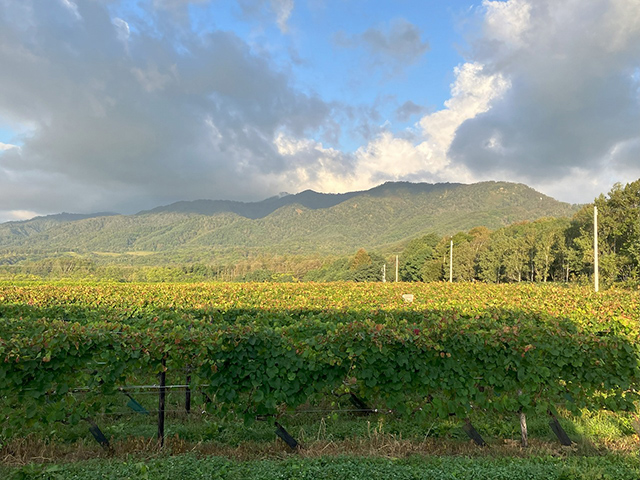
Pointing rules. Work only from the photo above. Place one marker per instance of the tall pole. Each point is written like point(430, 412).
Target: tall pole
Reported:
point(384, 273)
point(396, 268)
point(451, 262)
point(596, 279)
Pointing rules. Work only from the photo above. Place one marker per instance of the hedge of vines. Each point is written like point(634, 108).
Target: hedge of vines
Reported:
point(66, 351)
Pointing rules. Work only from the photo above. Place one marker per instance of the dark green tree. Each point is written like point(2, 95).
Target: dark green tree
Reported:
point(416, 259)
point(363, 271)
point(618, 234)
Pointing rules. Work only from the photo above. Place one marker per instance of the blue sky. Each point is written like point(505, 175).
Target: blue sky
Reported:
point(310, 53)
point(123, 105)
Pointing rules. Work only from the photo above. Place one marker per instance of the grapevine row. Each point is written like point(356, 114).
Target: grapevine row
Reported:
point(259, 361)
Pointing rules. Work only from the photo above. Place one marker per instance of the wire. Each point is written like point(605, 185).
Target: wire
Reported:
point(130, 387)
point(203, 412)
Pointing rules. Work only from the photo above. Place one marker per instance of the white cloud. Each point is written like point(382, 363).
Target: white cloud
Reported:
point(7, 146)
point(311, 165)
point(621, 24)
point(13, 215)
point(471, 95)
point(507, 22)
point(72, 7)
point(282, 9)
point(392, 158)
point(122, 28)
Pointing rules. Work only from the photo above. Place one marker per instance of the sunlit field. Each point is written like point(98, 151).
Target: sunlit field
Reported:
point(253, 371)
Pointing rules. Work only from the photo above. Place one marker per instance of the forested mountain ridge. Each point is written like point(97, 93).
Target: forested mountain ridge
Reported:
point(10, 232)
point(254, 210)
point(308, 222)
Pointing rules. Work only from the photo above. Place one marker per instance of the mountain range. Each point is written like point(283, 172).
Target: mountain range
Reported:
point(305, 223)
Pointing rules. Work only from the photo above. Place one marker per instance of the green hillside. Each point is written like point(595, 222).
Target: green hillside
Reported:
point(302, 224)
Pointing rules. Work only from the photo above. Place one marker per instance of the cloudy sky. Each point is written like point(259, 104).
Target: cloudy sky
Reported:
point(123, 105)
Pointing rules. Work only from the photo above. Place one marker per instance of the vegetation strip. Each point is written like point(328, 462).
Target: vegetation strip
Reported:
point(259, 349)
point(443, 468)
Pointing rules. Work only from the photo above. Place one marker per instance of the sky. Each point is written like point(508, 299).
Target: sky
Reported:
point(124, 105)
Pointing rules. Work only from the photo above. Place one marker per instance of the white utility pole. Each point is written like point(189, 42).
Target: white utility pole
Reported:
point(396, 268)
point(596, 279)
point(451, 262)
point(384, 273)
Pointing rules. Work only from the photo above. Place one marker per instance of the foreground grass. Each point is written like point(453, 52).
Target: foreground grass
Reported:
point(316, 427)
point(343, 446)
point(344, 467)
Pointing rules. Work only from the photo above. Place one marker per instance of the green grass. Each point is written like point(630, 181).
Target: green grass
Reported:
point(458, 468)
point(327, 421)
point(322, 423)
point(378, 446)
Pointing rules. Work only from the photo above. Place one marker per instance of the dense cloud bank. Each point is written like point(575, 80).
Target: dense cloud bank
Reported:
point(123, 114)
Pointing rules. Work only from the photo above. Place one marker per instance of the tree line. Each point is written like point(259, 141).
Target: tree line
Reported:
point(545, 250)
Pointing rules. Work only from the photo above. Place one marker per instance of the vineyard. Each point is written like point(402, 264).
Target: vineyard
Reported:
point(71, 352)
